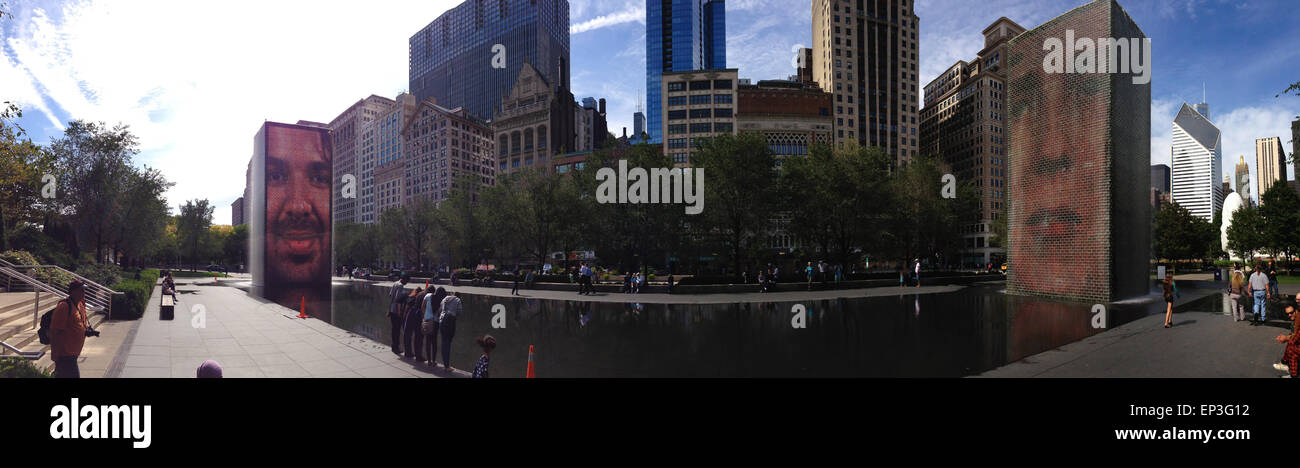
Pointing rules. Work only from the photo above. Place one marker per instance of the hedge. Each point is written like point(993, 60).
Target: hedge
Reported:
point(136, 293)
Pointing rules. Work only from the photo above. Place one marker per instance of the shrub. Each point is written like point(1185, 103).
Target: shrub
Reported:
point(43, 247)
point(136, 293)
point(21, 369)
point(45, 275)
point(102, 273)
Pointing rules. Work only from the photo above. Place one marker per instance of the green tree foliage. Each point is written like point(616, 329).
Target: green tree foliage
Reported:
point(740, 186)
point(837, 200)
point(923, 223)
point(1246, 234)
point(409, 230)
point(193, 230)
point(1280, 208)
point(1180, 235)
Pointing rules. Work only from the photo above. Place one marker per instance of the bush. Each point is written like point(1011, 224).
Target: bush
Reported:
point(102, 273)
point(43, 247)
point(45, 275)
point(13, 368)
point(132, 304)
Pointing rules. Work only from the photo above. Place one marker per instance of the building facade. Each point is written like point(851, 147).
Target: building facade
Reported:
point(1270, 164)
point(697, 105)
point(533, 123)
point(391, 155)
point(1241, 178)
point(592, 129)
point(470, 55)
point(1159, 186)
point(1078, 219)
point(963, 123)
point(867, 56)
point(237, 212)
point(1197, 162)
point(445, 144)
point(681, 35)
point(345, 130)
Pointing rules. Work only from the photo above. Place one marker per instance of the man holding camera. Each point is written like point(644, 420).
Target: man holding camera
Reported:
point(69, 331)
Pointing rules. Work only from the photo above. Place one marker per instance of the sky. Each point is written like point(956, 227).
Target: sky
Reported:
point(195, 81)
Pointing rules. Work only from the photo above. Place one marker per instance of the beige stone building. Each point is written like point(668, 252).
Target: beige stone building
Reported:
point(533, 123)
point(346, 130)
point(1270, 164)
point(696, 105)
point(444, 144)
point(874, 83)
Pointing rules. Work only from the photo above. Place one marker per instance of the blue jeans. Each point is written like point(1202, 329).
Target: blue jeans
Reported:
point(1260, 304)
point(1272, 288)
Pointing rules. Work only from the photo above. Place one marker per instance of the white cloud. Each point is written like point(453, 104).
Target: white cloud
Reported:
point(1241, 126)
point(631, 12)
point(194, 82)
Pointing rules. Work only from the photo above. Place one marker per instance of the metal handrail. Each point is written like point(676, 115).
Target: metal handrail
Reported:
point(30, 355)
point(101, 301)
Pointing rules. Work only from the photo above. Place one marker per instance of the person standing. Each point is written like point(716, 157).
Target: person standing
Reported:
point(514, 289)
point(808, 271)
point(396, 303)
point(917, 272)
point(1236, 288)
point(429, 324)
point(1259, 292)
point(412, 339)
point(68, 331)
point(1169, 299)
point(447, 325)
point(1272, 280)
point(488, 343)
point(1291, 355)
point(591, 280)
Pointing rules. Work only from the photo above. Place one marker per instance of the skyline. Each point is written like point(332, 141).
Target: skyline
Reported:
point(58, 65)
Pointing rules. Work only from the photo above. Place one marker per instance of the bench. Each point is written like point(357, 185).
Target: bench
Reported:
point(168, 309)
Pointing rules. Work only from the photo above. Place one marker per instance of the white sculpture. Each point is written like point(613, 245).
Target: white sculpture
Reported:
point(1231, 204)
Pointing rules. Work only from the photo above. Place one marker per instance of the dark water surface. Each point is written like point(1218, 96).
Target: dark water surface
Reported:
point(934, 335)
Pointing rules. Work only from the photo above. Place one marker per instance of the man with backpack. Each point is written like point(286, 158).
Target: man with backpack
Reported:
point(68, 331)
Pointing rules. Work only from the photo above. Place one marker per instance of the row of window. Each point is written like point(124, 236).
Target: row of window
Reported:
point(700, 85)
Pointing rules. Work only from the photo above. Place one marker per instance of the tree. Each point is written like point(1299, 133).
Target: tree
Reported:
point(739, 188)
point(94, 161)
point(192, 228)
point(837, 200)
point(409, 228)
point(1246, 234)
point(1180, 235)
point(355, 244)
point(1280, 208)
point(234, 249)
point(925, 224)
point(143, 217)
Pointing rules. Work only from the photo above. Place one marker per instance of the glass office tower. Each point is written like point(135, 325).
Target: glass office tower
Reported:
point(681, 35)
point(452, 58)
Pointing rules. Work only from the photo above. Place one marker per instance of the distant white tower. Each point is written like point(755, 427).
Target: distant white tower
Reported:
point(1197, 161)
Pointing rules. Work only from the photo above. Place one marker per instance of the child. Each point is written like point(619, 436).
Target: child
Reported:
point(488, 343)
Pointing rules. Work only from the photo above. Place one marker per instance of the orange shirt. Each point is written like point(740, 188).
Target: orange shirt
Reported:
point(68, 330)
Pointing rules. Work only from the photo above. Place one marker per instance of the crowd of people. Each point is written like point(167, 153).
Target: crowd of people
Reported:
point(420, 317)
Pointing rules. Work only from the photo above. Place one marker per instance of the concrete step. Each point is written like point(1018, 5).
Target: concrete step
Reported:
point(21, 313)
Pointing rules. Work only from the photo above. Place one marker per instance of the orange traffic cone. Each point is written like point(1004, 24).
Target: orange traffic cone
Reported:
point(302, 309)
point(531, 374)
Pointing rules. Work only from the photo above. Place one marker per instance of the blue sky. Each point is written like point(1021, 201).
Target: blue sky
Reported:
point(195, 81)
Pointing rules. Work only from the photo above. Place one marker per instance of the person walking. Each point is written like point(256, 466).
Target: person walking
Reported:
point(488, 343)
point(917, 272)
point(412, 339)
point(1259, 292)
point(396, 303)
point(447, 325)
point(1237, 288)
point(808, 271)
point(68, 331)
point(514, 289)
point(1169, 299)
point(429, 324)
point(591, 280)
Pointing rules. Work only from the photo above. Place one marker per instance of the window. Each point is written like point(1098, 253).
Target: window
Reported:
point(676, 129)
point(722, 99)
point(677, 101)
point(677, 143)
point(677, 86)
point(722, 127)
point(699, 85)
point(701, 99)
point(722, 84)
point(701, 127)
point(701, 113)
point(677, 114)
point(724, 112)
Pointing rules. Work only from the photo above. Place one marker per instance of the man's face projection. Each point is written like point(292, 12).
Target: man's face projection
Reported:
point(298, 175)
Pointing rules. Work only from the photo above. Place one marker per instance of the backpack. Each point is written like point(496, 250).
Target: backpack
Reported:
point(44, 332)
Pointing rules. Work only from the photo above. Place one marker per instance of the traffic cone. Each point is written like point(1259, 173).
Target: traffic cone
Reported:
point(531, 374)
point(302, 309)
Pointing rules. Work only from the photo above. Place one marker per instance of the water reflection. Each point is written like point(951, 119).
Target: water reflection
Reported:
point(961, 333)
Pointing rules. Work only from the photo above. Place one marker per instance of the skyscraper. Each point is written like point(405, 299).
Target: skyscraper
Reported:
point(1241, 180)
point(470, 55)
point(962, 123)
point(638, 124)
point(867, 56)
point(1197, 163)
point(1079, 152)
point(345, 130)
point(681, 35)
point(1270, 164)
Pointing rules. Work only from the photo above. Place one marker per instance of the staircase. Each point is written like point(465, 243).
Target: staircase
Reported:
point(25, 299)
point(19, 317)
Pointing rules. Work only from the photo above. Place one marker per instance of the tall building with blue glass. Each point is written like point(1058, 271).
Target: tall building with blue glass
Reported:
point(452, 58)
point(681, 35)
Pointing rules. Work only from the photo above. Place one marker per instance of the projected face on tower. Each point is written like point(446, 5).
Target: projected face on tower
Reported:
point(298, 178)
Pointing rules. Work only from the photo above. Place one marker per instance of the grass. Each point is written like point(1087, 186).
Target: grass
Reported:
point(196, 274)
point(18, 368)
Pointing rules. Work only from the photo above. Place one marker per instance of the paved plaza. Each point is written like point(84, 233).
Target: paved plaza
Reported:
point(251, 338)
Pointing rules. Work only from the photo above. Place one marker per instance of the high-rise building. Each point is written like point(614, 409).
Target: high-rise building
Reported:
point(392, 154)
point(681, 35)
point(1227, 185)
point(590, 125)
point(445, 144)
point(471, 54)
point(638, 124)
point(237, 212)
point(1242, 178)
point(1197, 162)
point(1270, 164)
point(697, 105)
point(804, 67)
point(867, 55)
point(533, 123)
point(345, 130)
point(1078, 159)
point(963, 123)
point(1159, 186)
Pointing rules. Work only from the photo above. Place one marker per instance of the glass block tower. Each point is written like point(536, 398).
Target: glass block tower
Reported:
point(452, 59)
point(681, 35)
